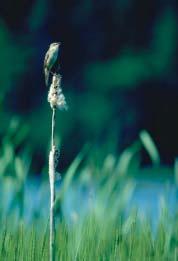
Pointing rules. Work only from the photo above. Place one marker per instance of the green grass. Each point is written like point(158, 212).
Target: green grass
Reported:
point(103, 233)
point(92, 240)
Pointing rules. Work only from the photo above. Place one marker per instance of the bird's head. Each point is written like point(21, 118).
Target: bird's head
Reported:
point(55, 45)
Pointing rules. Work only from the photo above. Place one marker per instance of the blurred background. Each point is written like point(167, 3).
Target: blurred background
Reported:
point(119, 137)
point(119, 74)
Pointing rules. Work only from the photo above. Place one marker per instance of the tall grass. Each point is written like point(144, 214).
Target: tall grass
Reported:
point(103, 231)
point(92, 240)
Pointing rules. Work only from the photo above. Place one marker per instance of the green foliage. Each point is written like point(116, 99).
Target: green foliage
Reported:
point(128, 158)
point(150, 147)
point(92, 240)
point(71, 172)
point(103, 233)
point(131, 68)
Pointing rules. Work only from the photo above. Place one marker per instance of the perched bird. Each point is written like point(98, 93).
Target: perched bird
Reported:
point(51, 61)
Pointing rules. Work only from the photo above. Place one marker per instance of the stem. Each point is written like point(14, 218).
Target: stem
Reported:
point(53, 127)
point(52, 190)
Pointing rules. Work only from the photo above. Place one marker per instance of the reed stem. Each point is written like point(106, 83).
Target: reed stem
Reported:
point(52, 189)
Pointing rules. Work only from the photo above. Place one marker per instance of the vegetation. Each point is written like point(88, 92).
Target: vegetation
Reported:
point(102, 229)
point(92, 240)
point(119, 75)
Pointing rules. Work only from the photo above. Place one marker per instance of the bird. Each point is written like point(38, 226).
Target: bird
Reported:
point(51, 61)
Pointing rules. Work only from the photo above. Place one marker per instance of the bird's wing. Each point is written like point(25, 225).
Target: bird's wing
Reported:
point(46, 59)
point(45, 67)
point(50, 59)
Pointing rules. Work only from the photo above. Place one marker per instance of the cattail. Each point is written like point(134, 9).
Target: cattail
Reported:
point(56, 97)
point(57, 101)
point(53, 162)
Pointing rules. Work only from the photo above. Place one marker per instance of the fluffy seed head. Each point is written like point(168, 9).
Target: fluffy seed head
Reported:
point(55, 96)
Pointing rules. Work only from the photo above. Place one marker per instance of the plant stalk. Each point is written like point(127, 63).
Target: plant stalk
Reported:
point(53, 127)
point(52, 189)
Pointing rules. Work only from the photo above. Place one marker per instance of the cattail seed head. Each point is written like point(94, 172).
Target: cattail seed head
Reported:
point(56, 97)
